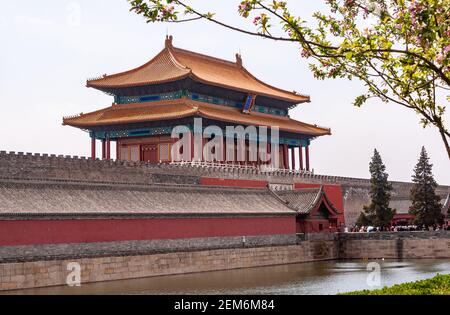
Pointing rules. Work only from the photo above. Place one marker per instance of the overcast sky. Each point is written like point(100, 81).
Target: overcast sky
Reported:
point(49, 48)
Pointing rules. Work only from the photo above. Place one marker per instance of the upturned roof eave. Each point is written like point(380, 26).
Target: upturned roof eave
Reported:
point(319, 198)
point(291, 97)
point(107, 87)
point(194, 113)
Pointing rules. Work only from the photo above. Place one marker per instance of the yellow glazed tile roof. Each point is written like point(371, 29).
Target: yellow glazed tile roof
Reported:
point(173, 64)
point(174, 109)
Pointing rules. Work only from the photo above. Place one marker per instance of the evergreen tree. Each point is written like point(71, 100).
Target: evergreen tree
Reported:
point(425, 203)
point(378, 213)
point(363, 220)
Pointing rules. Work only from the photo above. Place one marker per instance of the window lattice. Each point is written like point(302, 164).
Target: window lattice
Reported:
point(123, 154)
point(164, 152)
point(134, 153)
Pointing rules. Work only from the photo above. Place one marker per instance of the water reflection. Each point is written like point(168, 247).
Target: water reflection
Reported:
point(327, 277)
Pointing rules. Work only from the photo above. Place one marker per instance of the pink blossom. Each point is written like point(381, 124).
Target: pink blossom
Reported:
point(167, 10)
point(349, 3)
point(447, 49)
point(305, 53)
point(256, 20)
point(367, 31)
point(243, 6)
point(439, 58)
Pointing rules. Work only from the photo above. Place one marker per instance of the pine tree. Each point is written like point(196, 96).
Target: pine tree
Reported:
point(425, 203)
point(378, 213)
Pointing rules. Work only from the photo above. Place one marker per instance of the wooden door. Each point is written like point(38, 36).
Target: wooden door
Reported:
point(149, 153)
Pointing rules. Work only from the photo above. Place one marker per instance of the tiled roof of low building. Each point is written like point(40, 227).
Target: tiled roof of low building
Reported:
point(22, 197)
point(179, 108)
point(303, 201)
point(446, 205)
point(173, 64)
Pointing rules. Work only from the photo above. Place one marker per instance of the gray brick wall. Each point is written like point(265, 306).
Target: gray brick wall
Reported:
point(37, 266)
point(395, 245)
point(128, 248)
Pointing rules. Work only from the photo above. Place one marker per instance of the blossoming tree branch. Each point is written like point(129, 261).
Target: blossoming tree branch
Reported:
point(402, 58)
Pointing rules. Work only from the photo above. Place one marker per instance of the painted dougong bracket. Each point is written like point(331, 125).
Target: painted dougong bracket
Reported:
point(249, 103)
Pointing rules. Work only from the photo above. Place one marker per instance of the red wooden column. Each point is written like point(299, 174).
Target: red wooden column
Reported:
point(204, 141)
point(293, 158)
point(307, 157)
point(93, 148)
point(269, 151)
point(108, 149)
point(191, 134)
point(285, 156)
point(103, 149)
point(224, 149)
point(300, 157)
point(258, 148)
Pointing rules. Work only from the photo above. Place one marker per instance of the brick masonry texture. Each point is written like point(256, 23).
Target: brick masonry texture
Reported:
point(128, 248)
point(126, 263)
point(30, 266)
point(394, 245)
point(47, 167)
point(48, 273)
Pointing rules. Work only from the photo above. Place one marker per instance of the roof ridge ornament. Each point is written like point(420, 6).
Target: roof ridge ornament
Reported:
point(175, 63)
point(239, 60)
point(168, 43)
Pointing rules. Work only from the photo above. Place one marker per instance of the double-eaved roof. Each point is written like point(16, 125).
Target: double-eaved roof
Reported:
point(180, 108)
point(173, 64)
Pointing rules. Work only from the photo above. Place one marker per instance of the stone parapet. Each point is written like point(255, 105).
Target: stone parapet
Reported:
point(42, 273)
point(127, 260)
point(443, 234)
point(395, 245)
point(28, 165)
point(45, 167)
point(132, 248)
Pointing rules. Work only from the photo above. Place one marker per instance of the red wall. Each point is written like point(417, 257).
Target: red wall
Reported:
point(334, 193)
point(244, 183)
point(312, 226)
point(27, 232)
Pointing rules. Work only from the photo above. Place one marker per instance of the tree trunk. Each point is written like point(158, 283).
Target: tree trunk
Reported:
point(444, 138)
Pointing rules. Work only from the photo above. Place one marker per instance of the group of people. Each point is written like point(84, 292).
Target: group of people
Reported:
point(398, 228)
point(362, 229)
point(439, 227)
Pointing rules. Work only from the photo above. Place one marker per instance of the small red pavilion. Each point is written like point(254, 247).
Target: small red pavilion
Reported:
point(177, 86)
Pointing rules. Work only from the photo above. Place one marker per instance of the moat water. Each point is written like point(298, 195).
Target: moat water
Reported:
point(327, 277)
